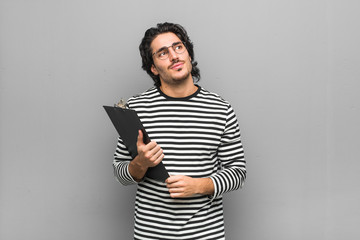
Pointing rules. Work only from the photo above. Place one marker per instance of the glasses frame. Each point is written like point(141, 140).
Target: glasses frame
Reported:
point(167, 48)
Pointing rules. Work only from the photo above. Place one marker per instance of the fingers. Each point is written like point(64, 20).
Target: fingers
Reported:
point(175, 187)
point(152, 151)
point(181, 186)
point(152, 156)
point(158, 155)
point(140, 139)
point(149, 154)
point(173, 179)
point(175, 183)
point(151, 146)
point(177, 193)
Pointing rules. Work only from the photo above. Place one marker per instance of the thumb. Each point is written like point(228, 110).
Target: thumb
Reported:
point(140, 140)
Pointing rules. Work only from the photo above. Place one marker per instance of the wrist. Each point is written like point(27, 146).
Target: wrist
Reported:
point(138, 164)
point(137, 170)
point(205, 186)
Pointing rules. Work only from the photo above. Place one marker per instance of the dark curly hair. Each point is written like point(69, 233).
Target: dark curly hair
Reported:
point(146, 51)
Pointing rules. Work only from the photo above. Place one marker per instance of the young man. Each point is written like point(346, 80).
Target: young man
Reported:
point(194, 133)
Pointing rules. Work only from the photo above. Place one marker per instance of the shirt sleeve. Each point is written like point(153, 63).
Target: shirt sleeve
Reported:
point(121, 163)
point(231, 156)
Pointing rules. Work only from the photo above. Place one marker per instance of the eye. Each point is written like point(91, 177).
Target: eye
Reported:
point(179, 46)
point(162, 53)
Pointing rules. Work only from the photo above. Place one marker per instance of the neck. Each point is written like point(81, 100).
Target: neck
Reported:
point(178, 91)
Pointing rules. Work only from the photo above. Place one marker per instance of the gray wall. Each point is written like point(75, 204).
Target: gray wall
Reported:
point(290, 68)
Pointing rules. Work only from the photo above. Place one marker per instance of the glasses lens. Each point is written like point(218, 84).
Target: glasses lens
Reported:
point(163, 54)
point(179, 48)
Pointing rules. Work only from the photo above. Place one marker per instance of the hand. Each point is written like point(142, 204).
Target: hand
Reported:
point(149, 155)
point(183, 186)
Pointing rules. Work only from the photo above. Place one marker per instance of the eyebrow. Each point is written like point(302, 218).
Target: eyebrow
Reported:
point(164, 47)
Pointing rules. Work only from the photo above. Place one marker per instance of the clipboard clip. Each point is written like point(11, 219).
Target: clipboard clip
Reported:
point(121, 104)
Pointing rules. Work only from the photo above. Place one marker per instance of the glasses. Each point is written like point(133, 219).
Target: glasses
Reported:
point(163, 53)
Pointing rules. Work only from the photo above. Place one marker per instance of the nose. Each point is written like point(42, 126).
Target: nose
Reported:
point(172, 55)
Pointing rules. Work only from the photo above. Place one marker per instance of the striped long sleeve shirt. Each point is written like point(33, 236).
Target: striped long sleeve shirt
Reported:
point(200, 138)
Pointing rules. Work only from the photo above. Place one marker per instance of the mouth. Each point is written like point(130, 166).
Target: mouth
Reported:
point(177, 66)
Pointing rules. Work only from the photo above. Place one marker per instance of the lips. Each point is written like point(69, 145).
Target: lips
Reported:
point(177, 66)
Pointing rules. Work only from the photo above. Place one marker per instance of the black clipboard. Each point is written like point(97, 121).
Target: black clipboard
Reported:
point(128, 124)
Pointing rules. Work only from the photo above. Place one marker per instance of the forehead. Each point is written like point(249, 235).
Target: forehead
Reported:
point(164, 40)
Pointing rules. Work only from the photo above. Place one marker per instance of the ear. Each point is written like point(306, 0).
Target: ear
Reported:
point(154, 70)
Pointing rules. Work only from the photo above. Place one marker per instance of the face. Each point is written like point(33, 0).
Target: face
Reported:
point(176, 69)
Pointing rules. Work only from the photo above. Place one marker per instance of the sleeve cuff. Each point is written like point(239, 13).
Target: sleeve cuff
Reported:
point(216, 191)
point(129, 175)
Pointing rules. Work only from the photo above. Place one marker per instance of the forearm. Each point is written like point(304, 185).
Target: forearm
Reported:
point(205, 186)
point(149, 155)
point(121, 163)
point(184, 186)
point(137, 170)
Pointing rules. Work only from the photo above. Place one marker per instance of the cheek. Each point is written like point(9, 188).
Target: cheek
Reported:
point(155, 70)
point(190, 65)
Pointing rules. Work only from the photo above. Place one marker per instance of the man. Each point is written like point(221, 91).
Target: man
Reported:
point(194, 133)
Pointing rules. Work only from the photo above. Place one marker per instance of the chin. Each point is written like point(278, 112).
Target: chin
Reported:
point(183, 76)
